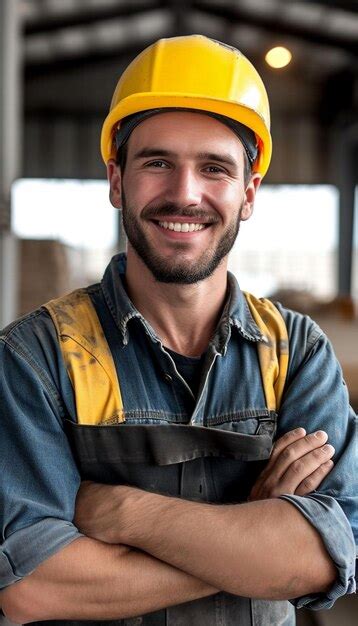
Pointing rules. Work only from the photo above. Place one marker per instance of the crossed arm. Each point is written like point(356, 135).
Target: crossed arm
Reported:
point(145, 551)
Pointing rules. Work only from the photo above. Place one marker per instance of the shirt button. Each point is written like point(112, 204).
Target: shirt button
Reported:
point(168, 378)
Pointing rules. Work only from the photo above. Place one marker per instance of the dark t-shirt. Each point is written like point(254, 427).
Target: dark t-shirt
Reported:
point(190, 368)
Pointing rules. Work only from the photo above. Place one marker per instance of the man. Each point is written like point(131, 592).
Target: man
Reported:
point(186, 519)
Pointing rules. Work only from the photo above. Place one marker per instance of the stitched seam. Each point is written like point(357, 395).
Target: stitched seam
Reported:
point(252, 326)
point(155, 414)
point(30, 361)
point(241, 416)
point(18, 323)
point(113, 312)
point(123, 322)
point(314, 336)
point(93, 289)
point(245, 335)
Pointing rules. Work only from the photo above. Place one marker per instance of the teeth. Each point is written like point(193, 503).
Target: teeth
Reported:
point(178, 227)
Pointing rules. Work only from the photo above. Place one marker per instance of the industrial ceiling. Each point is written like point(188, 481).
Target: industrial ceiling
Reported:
point(73, 51)
point(83, 36)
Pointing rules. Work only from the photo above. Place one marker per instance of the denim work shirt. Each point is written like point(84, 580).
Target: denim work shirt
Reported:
point(39, 478)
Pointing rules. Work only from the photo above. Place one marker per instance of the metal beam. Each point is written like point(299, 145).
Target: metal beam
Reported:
point(181, 13)
point(10, 136)
point(177, 21)
point(343, 5)
point(275, 23)
point(99, 44)
point(90, 59)
point(347, 152)
point(57, 21)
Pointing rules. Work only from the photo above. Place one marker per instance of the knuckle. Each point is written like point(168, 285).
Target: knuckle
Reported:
point(325, 467)
point(288, 454)
point(307, 484)
point(297, 467)
point(278, 445)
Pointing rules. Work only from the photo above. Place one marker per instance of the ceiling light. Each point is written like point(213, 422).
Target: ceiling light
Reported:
point(278, 57)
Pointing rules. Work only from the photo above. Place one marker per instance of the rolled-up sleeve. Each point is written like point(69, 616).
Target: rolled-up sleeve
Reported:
point(316, 398)
point(38, 476)
point(326, 515)
point(25, 549)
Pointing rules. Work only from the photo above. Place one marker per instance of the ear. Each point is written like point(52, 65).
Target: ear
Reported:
point(249, 197)
point(114, 178)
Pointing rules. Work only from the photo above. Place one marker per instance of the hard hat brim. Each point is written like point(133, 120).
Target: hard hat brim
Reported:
point(144, 101)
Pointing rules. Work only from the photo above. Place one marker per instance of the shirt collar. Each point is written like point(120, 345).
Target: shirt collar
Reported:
point(236, 313)
point(113, 287)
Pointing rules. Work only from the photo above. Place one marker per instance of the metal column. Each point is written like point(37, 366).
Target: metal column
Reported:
point(348, 146)
point(10, 139)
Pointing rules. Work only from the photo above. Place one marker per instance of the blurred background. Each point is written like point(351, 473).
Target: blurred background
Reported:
point(59, 63)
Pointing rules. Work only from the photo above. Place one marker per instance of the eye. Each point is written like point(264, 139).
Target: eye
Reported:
point(214, 169)
point(157, 164)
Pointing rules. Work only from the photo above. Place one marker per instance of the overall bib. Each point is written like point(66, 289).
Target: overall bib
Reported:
point(191, 462)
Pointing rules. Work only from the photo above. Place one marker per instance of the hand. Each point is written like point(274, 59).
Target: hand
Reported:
point(99, 511)
point(298, 464)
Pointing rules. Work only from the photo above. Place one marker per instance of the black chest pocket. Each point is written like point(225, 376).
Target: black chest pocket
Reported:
point(232, 479)
point(194, 462)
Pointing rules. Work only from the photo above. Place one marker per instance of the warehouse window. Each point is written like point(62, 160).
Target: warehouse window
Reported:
point(290, 242)
point(78, 213)
point(75, 213)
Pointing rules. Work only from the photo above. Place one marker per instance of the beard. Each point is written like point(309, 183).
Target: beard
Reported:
point(178, 271)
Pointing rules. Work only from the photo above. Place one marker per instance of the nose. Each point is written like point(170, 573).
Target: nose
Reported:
point(184, 188)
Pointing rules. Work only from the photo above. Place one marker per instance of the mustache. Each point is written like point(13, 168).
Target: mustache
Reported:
point(165, 210)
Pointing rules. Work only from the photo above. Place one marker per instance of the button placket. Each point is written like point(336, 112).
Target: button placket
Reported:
point(198, 414)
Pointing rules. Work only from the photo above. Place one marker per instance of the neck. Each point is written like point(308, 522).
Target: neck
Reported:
point(183, 316)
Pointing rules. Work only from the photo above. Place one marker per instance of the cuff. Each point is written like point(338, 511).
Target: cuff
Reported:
point(25, 549)
point(328, 518)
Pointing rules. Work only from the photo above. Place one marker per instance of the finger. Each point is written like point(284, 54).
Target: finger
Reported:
point(286, 450)
point(314, 480)
point(282, 443)
point(296, 475)
point(290, 437)
point(305, 466)
point(286, 440)
point(296, 450)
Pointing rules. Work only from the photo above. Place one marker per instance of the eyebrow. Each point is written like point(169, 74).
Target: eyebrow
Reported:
point(221, 158)
point(152, 152)
point(211, 156)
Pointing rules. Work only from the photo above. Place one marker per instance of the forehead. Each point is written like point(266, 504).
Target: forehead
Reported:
point(185, 132)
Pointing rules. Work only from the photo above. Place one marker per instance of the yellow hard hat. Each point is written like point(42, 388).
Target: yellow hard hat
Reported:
point(192, 72)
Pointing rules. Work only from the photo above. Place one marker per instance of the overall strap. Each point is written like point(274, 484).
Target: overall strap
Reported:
point(273, 353)
point(88, 359)
point(92, 371)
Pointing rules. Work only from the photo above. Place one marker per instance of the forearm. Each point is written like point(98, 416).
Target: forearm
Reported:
point(264, 549)
point(90, 580)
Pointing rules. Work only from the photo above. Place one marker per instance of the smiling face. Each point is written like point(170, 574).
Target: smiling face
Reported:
point(182, 194)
